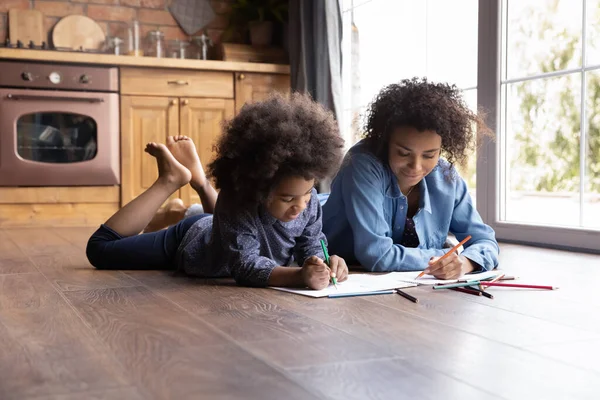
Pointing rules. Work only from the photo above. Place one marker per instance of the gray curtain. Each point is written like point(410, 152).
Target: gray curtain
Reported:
point(315, 50)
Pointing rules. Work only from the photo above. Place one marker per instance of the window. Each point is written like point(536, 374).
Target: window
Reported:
point(545, 181)
point(385, 41)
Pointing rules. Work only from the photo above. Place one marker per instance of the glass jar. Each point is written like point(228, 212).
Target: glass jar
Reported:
point(134, 40)
point(156, 44)
point(202, 44)
point(114, 45)
point(178, 48)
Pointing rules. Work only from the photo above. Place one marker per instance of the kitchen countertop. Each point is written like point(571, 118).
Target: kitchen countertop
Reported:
point(148, 62)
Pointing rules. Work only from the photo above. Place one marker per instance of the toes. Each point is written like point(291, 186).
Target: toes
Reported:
point(150, 146)
point(171, 139)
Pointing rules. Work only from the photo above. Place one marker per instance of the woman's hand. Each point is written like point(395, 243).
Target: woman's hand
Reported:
point(339, 268)
point(315, 273)
point(451, 267)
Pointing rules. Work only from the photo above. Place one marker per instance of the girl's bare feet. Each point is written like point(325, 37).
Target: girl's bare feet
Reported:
point(184, 151)
point(170, 172)
point(137, 214)
point(170, 214)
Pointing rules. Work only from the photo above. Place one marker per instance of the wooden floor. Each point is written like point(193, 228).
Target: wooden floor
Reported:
point(70, 332)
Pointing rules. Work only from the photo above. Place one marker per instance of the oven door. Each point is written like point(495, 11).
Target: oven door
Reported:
point(59, 138)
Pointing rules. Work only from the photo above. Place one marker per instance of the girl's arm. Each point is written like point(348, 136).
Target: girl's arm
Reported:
point(241, 248)
point(309, 243)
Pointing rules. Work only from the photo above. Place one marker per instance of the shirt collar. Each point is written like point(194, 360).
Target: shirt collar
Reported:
point(393, 191)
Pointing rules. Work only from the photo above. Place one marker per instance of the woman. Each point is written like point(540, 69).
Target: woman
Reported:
point(395, 200)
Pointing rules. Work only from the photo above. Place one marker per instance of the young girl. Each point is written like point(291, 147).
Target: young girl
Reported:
point(266, 216)
point(394, 200)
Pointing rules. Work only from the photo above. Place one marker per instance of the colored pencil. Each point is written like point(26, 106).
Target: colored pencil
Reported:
point(467, 290)
point(326, 254)
point(455, 285)
point(483, 293)
point(407, 296)
point(452, 250)
point(517, 285)
point(492, 281)
point(335, 295)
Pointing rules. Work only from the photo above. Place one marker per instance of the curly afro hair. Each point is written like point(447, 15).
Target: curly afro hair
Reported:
point(273, 139)
point(424, 106)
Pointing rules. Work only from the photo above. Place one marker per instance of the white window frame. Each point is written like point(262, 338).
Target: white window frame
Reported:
point(488, 165)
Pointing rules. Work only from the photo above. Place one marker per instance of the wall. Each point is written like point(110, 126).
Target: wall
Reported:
point(114, 15)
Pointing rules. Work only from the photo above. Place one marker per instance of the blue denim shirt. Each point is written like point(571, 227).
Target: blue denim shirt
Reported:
point(365, 214)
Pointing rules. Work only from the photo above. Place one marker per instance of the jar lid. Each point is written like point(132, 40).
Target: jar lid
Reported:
point(156, 33)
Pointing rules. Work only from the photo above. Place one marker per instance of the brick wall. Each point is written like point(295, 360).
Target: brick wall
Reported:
point(114, 15)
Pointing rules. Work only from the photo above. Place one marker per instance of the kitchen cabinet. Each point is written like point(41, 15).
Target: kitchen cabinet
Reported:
point(198, 113)
point(251, 87)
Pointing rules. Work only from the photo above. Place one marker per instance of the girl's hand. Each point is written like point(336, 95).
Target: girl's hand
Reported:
point(315, 273)
point(339, 268)
point(452, 267)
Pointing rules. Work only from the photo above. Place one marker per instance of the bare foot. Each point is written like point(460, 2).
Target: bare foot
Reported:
point(170, 172)
point(170, 214)
point(184, 151)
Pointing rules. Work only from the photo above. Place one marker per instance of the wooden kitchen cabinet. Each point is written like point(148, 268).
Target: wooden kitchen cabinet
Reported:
point(251, 87)
point(143, 120)
point(201, 120)
point(154, 118)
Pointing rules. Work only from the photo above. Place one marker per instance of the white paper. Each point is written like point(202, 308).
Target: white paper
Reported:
point(356, 284)
point(430, 280)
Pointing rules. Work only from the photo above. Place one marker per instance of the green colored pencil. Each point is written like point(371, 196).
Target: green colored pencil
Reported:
point(455, 285)
point(326, 254)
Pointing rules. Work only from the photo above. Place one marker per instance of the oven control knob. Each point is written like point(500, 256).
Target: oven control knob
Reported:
point(27, 76)
point(85, 79)
point(54, 77)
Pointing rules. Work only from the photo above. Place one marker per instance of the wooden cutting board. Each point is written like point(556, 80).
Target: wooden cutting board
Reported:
point(26, 26)
point(78, 31)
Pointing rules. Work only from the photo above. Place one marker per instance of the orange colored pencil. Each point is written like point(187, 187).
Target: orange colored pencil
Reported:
point(452, 250)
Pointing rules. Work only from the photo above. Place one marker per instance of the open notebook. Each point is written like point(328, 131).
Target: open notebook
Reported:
point(369, 283)
point(355, 284)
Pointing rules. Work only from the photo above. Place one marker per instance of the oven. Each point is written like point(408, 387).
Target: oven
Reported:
point(59, 125)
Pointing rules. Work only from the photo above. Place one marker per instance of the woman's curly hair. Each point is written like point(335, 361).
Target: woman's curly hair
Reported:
point(424, 106)
point(273, 139)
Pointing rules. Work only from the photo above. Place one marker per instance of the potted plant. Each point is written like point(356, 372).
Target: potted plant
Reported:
point(258, 16)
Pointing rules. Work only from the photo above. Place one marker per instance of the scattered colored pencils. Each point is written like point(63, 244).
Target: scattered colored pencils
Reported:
point(467, 290)
point(407, 296)
point(456, 285)
point(452, 250)
point(499, 277)
point(485, 283)
point(518, 285)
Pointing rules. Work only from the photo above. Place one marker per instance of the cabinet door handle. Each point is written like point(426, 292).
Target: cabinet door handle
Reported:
point(241, 77)
point(178, 82)
point(185, 102)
